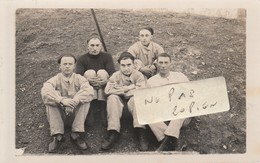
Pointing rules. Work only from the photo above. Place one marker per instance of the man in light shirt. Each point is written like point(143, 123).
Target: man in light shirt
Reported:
point(145, 51)
point(120, 89)
point(67, 94)
point(167, 133)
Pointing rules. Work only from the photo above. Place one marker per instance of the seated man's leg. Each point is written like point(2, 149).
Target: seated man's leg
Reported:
point(140, 129)
point(81, 113)
point(174, 127)
point(171, 135)
point(114, 113)
point(102, 97)
point(158, 130)
point(54, 116)
point(90, 74)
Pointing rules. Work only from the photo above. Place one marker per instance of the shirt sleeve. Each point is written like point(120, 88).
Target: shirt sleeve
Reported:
point(80, 66)
point(140, 83)
point(86, 92)
point(160, 49)
point(132, 50)
point(113, 87)
point(50, 95)
point(109, 64)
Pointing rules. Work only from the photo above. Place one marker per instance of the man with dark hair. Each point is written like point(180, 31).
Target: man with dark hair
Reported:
point(166, 133)
point(96, 66)
point(67, 94)
point(145, 51)
point(120, 88)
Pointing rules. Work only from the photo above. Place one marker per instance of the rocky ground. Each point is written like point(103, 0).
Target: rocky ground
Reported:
point(201, 47)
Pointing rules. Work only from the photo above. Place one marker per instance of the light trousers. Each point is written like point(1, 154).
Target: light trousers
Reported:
point(99, 94)
point(115, 105)
point(161, 129)
point(56, 117)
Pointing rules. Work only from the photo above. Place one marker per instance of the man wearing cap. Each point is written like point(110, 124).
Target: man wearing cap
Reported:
point(67, 94)
point(145, 51)
point(120, 89)
point(96, 66)
point(167, 133)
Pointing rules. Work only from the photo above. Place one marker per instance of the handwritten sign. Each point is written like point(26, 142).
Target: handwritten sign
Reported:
point(183, 100)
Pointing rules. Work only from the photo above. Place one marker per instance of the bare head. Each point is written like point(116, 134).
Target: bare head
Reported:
point(164, 64)
point(67, 64)
point(94, 46)
point(146, 35)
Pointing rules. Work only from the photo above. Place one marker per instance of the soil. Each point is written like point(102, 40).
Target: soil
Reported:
point(201, 47)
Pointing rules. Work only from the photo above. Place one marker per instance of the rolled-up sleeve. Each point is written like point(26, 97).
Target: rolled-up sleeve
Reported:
point(112, 87)
point(49, 94)
point(86, 91)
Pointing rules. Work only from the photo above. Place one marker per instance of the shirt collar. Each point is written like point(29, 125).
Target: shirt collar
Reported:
point(149, 47)
point(68, 80)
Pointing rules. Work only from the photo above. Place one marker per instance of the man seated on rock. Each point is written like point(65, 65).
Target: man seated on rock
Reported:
point(120, 88)
point(96, 66)
point(167, 133)
point(145, 51)
point(67, 94)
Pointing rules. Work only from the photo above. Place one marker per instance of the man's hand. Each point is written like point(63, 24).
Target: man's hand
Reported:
point(131, 87)
point(147, 71)
point(68, 110)
point(70, 103)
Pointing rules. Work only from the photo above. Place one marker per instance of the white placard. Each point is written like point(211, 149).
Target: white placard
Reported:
point(183, 100)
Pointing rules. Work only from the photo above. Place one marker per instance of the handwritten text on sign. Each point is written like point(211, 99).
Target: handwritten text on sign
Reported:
point(181, 100)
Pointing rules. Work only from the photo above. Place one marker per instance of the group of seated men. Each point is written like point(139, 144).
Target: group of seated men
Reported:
point(92, 76)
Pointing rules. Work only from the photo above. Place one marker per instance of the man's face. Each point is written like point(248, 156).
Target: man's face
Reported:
point(67, 66)
point(94, 46)
point(163, 64)
point(126, 66)
point(145, 37)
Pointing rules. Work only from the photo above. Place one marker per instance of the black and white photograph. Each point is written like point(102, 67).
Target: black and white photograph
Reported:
point(131, 81)
point(200, 47)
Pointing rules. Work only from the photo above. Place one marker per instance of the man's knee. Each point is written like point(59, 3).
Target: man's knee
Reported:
point(111, 98)
point(90, 74)
point(103, 74)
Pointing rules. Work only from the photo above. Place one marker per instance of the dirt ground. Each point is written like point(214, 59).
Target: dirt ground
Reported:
point(201, 47)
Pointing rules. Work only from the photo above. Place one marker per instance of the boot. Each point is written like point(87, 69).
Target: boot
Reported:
point(169, 143)
point(143, 143)
point(55, 144)
point(79, 141)
point(103, 113)
point(109, 142)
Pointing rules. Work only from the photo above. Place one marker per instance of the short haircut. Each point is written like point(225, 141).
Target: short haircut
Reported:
point(93, 36)
point(67, 55)
point(148, 29)
point(125, 55)
point(164, 55)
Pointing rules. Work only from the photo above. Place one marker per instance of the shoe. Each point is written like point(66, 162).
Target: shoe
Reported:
point(79, 141)
point(109, 142)
point(169, 143)
point(143, 142)
point(55, 144)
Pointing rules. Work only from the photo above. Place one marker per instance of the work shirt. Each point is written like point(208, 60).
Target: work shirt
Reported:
point(95, 62)
point(146, 54)
point(58, 87)
point(118, 80)
point(174, 77)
